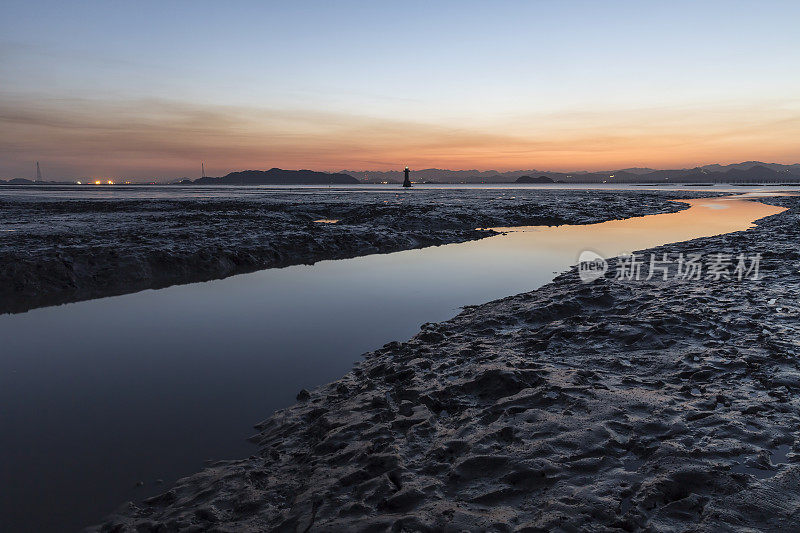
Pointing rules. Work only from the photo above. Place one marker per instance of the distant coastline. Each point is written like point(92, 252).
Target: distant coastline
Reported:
point(750, 172)
point(745, 172)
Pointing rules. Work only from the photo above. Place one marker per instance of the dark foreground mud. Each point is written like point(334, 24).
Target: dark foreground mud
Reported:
point(609, 406)
point(55, 250)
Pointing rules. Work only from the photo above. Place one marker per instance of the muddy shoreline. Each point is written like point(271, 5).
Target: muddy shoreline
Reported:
point(614, 405)
point(55, 250)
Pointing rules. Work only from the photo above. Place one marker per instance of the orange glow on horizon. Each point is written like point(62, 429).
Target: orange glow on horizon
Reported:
point(175, 136)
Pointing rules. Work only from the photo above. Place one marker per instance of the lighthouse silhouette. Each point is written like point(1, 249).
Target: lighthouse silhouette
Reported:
point(407, 182)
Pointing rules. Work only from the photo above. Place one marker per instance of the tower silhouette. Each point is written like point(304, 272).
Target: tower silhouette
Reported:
point(38, 172)
point(202, 170)
point(407, 182)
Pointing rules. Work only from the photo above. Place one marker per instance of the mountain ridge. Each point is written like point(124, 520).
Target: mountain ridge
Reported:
point(749, 171)
point(276, 176)
point(744, 172)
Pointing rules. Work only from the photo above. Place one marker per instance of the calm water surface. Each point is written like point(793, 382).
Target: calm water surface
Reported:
point(98, 396)
point(173, 192)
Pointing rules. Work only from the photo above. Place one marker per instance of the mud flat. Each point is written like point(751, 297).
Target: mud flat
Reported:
point(56, 250)
point(614, 405)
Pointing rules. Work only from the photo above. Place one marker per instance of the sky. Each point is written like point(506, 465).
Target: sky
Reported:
point(150, 89)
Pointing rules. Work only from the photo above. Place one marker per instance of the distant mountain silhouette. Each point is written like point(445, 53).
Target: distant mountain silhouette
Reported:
point(758, 172)
point(277, 176)
point(745, 172)
point(748, 165)
point(531, 179)
point(637, 170)
point(729, 174)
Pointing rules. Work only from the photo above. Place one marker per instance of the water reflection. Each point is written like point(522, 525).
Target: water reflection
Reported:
point(706, 217)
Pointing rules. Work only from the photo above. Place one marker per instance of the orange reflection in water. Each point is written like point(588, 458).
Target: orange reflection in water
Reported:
point(705, 218)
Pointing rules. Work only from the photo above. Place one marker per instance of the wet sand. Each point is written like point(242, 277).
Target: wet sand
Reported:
point(58, 247)
point(612, 405)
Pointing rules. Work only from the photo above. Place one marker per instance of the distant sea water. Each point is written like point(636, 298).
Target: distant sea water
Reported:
point(108, 192)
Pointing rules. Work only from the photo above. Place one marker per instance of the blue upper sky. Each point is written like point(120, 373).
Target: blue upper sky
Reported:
point(536, 84)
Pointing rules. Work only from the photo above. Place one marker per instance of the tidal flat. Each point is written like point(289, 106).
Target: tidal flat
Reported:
point(60, 245)
point(649, 404)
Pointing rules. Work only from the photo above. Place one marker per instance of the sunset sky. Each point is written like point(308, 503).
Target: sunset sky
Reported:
point(150, 89)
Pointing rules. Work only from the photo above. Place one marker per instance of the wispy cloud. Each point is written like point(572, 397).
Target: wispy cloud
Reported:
point(144, 138)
